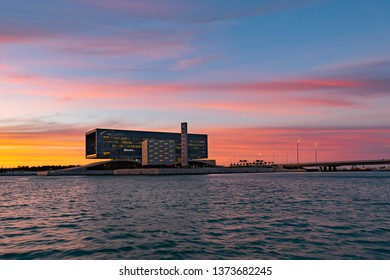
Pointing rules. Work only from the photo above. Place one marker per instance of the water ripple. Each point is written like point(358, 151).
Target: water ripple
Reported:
point(228, 216)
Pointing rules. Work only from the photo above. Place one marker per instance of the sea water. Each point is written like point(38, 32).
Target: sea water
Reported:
point(336, 215)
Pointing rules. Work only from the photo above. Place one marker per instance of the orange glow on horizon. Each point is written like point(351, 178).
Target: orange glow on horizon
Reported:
point(226, 145)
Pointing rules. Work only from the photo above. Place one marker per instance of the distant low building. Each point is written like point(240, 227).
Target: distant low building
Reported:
point(127, 144)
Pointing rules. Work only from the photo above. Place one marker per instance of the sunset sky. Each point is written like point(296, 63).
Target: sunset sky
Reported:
point(255, 75)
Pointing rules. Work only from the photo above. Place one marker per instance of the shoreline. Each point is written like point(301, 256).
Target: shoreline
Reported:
point(158, 171)
point(167, 171)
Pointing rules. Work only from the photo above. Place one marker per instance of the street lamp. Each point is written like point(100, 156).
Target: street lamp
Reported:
point(315, 148)
point(298, 151)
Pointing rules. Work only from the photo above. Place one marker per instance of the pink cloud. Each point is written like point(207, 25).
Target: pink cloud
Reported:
point(24, 32)
point(241, 87)
point(149, 43)
point(274, 105)
point(10, 39)
point(284, 97)
point(14, 38)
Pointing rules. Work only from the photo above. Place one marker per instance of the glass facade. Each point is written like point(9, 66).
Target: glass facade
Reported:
point(158, 152)
point(127, 144)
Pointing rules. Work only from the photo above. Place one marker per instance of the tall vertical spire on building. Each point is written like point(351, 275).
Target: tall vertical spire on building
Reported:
point(184, 145)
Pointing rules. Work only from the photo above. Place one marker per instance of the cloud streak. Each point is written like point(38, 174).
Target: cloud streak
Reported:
point(289, 97)
point(87, 88)
point(193, 62)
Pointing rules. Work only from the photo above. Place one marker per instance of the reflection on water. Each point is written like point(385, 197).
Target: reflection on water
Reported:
point(232, 216)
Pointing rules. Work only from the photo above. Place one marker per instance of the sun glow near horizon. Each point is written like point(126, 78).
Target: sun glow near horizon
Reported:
point(226, 145)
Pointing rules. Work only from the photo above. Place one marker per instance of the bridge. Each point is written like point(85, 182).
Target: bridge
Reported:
point(332, 165)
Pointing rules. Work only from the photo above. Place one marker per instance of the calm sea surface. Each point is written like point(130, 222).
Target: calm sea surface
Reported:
point(341, 215)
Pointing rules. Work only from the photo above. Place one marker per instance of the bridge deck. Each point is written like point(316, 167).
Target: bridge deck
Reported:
point(337, 163)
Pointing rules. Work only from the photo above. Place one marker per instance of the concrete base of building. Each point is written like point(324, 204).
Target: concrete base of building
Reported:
point(158, 171)
point(189, 171)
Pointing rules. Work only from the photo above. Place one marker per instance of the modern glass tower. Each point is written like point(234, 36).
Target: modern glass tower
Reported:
point(127, 144)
